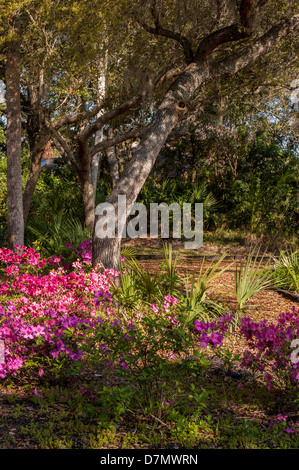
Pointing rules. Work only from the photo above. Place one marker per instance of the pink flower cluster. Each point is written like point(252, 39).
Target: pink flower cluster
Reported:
point(30, 340)
point(212, 332)
point(270, 345)
point(25, 257)
point(168, 304)
point(84, 251)
point(44, 306)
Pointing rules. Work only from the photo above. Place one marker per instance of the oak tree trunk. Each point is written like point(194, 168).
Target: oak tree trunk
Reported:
point(38, 138)
point(31, 183)
point(101, 91)
point(172, 108)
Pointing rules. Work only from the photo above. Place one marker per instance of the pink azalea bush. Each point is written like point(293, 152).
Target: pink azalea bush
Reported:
point(212, 333)
point(45, 312)
point(84, 251)
point(52, 315)
point(270, 346)
point(146, 342)
point(167, 308)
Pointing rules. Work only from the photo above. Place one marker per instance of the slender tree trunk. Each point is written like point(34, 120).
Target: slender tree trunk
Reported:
point(113, 165)
point(112, 160)
point(96, 161)
point(31, 183)
point(15, 221)
point(84, 174)
point(95, 170)
point(39, 138)
point(88, 199)
point(120, 158)
point(99, 136)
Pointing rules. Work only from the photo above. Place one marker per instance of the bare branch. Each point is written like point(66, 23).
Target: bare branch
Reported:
point(232, 64)
point(62, 145)
point(234, 32)
point(76, 117)
point(133, 134)
point(109, 115)
point(158, 30)
point(202, 132)
point(166, 76)
point(127, 105)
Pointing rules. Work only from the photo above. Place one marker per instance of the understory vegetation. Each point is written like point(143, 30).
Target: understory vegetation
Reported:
point(136, 359)
point(261, 203)
point(145, 361)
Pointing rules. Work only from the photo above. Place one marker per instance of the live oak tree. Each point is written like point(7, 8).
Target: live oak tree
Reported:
point(13, 70)
point(77, 115)
point(247, 27)
point(54, 94)
point(150, 44)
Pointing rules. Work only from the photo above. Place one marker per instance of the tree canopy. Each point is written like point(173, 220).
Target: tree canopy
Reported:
point(171, 66)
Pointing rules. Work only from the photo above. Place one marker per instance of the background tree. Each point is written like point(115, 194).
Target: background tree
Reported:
point(15, 223)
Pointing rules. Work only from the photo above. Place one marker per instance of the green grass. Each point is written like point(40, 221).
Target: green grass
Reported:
point(227, 416)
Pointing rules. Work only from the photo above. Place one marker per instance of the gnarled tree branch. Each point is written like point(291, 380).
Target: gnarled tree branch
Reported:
point(76, 117)
point(234, 32)
point(133, 134)
point(158, 30)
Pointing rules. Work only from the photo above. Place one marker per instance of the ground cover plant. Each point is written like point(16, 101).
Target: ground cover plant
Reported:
point(119, 367)
point(286, 270)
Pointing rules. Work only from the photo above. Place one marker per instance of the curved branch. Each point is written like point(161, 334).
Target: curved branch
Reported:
point(158, 30)
point(127, 105)
point(108, 116)
point(232, 64)
point(234, 32)
point(133, 134)
point(62, 146)
point(76, 117)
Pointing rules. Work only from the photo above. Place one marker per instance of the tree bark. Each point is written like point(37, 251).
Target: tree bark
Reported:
point(15, 221)
point(113, 165)
point(88, 199)
point(84, 173)
point(35, 170)
point(171, 110)
point(99, 136)
point(38, 137)
point(112, 160)
point(110, 253)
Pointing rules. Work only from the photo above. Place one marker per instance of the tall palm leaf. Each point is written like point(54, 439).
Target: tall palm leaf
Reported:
point(251, 278)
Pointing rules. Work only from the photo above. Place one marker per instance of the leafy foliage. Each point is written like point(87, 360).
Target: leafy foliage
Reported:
point(251, 278)
point(285, 270)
